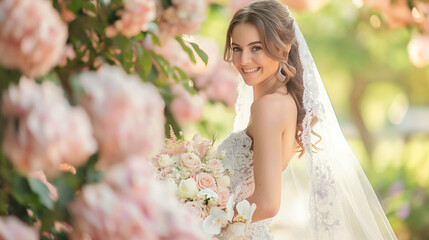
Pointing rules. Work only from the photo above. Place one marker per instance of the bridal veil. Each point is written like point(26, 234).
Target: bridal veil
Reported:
point(325, 194)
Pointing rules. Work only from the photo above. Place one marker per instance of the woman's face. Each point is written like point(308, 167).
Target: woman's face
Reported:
point(249, 57)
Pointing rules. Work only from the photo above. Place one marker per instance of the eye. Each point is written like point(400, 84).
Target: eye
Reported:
point(236, 49)
point(256, 48)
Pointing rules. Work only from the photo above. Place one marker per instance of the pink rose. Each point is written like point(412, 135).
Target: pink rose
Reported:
point(11, 228)
point(33, 33)
point(205, 180)
point(191, 162)
point(223, 195)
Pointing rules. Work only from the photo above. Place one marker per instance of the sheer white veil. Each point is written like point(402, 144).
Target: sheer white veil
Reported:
point(325, 194)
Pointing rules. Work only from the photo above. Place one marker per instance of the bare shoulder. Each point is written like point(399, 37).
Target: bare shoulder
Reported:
point(274, 110)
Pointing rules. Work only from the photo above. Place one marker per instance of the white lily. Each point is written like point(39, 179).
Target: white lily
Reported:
point(230, 208)
point(214, 222)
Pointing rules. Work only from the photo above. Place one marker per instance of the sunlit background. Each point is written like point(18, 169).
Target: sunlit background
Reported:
point(379, 90)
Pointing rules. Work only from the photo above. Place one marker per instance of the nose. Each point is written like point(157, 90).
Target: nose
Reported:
point(245, 57)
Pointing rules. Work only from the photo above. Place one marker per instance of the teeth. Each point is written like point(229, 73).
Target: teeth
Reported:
point(250, 70)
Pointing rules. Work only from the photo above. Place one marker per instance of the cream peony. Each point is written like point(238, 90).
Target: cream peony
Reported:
point(11, 228)
point(32, 36)
point(127, 114)
point(187, 188)
point(43, 130)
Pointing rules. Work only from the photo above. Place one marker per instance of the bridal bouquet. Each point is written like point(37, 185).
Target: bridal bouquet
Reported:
point(201, 182)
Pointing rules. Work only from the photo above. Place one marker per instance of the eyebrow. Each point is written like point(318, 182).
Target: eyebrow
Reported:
point(252, 43)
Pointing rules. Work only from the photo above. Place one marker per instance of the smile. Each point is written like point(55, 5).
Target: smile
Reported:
point(251, 70)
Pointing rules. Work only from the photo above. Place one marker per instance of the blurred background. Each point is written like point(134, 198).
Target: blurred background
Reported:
point(373, 57)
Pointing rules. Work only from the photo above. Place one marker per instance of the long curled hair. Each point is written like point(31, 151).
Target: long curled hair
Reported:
point(277, 33)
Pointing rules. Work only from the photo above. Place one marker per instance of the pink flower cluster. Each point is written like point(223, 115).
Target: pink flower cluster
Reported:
point(32, 36)
point(186, 107)
point(195, 173)
point(134, 18)
point(127, 114)
point(11, 228)
point(43, 130)
point(221, 84)
point(130, 204)
point(183, 17)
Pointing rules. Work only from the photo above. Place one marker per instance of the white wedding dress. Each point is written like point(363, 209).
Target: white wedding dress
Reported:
point(239, 159)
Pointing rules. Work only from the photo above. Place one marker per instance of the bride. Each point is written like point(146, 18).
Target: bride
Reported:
point(285, 121)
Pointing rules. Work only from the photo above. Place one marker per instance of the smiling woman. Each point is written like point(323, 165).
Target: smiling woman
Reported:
point(266, 46)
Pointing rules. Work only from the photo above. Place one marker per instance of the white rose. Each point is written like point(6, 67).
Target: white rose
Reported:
point(187, 188)
point(223, 181)
point(165, 160)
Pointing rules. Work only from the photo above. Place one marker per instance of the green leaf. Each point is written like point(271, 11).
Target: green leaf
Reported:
point(187, 49)
point(162, 63)
point(200, 52)
point(155, 39)
point(182, 74)
point(144, 63)
point(42, 191)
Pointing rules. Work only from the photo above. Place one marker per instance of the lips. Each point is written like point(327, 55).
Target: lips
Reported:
point(250, 70)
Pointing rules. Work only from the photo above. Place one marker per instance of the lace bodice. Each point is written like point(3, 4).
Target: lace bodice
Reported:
point(239, 159)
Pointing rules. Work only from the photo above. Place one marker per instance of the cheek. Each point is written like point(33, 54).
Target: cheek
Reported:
point(236, 60)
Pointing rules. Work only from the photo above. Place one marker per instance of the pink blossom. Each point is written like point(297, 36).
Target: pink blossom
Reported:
point(134, 18)
point(205, 180)
point(11, 228)
point(185, 107)
point(127, 114)
point(200, 145)
point(418, 50)
point(221, 84)
point(129, 204)
point(40, 175)
point(32, 36)
point(49, 131)
point(183, 17)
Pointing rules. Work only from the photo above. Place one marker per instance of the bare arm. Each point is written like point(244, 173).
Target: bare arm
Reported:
point(269, 120)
